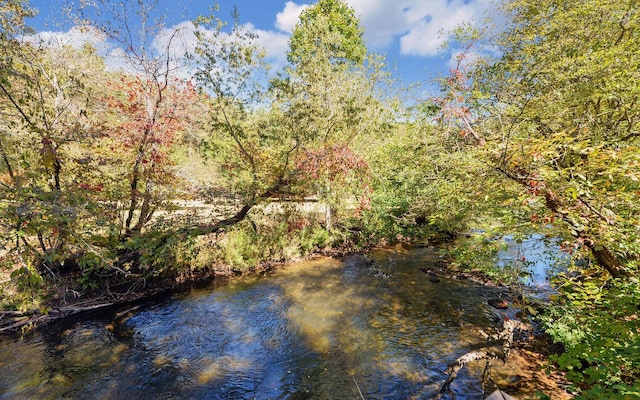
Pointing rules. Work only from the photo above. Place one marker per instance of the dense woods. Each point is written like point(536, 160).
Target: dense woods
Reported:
point(190, 159)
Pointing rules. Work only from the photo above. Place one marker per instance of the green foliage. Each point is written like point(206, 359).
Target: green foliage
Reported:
point(550, 127)
point(50, 207)
point(599, 325)
point(329, 30)
point(158, 253)
point(274, 239)
point(27, 279)
point(25, 290)
point(478, 252)
point(249, 148)
point(12, 21)
point(562, 116)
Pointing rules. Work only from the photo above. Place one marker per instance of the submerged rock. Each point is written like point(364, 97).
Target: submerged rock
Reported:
point(432, 276)
point(499, 395)
point(498, 303)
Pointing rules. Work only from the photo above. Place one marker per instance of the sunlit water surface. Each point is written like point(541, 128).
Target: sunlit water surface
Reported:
point(323, 329)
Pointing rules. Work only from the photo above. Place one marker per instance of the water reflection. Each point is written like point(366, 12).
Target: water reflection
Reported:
point(538, 257)
point(324, 329)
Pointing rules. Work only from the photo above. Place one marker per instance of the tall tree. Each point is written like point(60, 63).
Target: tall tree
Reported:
point(250, 161)
point(330, 31)
point(267, 141)
point(149, 53)
point(43, 100)
point(330, 96)
point(560, 115)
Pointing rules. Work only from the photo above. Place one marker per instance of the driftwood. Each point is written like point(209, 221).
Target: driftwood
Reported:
point(13, 321)
point(504, 337)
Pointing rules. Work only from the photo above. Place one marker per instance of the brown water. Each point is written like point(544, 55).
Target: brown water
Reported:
point(324, 329)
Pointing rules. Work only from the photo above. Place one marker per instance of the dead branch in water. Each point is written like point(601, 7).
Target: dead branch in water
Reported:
point(505, 336)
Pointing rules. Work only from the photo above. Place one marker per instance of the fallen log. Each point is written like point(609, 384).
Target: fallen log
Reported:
point(35, 319)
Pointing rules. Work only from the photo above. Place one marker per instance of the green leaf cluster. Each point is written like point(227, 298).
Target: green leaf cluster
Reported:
point(599, 325)
point(328, 30)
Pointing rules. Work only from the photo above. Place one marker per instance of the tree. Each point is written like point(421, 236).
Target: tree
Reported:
point(44, 100)
point(265, 141)
point(330, 99)
point(558, 111)
point(150, 98)
point(71, 134)
point(139, 131)
point(250, 161)
point(561, 118)
point(12, 20)
point(329, 31)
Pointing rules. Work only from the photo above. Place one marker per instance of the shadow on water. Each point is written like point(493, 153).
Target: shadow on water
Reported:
point(323, 329)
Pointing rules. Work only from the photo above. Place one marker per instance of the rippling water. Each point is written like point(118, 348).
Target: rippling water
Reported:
point(324, 329)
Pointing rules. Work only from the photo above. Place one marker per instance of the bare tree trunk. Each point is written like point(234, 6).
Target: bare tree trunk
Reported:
point(145, 209)
point(204, 229)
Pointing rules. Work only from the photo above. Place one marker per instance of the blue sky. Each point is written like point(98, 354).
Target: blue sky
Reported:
point(408, 32)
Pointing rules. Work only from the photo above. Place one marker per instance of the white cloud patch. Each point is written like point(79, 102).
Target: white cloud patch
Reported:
point(176, 40)
point(79, 36)
point(467, 58)
point(382, 20)
point(75, 37)
point(274, 43)
point(422, 26)
point(287, 19)
point(173, 44)
point(180, 39)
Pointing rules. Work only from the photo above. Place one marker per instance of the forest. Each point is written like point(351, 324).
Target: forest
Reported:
point(187, 163)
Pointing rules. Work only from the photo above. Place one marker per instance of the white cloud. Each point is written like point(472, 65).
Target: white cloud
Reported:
point(427, 35)
point(79, 36)
point(176, 40)
point(180, 39)
point(466, 58)
point(173, 43)
point(275, 44)
point(382, 20)
point(287, 19)
point(75, 37)
point(421, 26)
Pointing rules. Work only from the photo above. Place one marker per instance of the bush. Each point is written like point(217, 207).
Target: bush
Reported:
point(598, 323)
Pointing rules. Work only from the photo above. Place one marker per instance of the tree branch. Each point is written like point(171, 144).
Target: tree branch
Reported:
point(603, 256)
point(505, 336)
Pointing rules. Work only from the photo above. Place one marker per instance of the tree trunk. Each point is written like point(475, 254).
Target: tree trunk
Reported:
point(205, 229)
point(327, 216)
point(604, 257)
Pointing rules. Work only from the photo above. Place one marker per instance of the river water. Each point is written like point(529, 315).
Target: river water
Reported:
point(324, 329)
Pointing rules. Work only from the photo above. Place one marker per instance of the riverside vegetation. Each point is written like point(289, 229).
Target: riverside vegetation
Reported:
point(536, 130)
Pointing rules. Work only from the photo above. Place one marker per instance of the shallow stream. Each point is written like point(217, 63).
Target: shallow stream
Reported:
point(372, 327)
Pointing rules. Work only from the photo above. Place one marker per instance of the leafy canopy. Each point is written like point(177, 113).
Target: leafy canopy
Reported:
point(328, 29)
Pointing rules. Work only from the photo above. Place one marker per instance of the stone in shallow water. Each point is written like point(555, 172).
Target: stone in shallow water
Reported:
point(499, 395)
point(500, 304)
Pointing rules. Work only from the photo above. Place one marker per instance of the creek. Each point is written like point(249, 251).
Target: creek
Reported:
point(345, 328)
